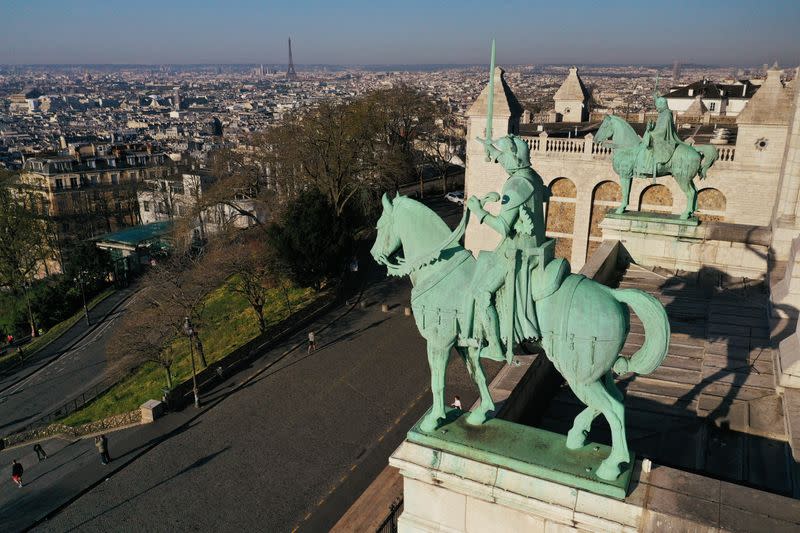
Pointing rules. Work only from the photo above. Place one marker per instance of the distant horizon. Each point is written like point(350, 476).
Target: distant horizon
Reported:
point(301, 65)
point(362, 32)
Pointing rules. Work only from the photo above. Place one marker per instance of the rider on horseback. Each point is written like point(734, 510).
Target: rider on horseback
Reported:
point(520, 223)
point(659, 140)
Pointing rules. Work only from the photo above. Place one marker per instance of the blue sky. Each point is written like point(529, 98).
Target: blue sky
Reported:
point(738, 32)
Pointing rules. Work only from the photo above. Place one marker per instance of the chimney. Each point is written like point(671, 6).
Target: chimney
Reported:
point(744, 89)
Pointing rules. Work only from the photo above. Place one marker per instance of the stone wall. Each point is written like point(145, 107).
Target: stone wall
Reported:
point(54, 430)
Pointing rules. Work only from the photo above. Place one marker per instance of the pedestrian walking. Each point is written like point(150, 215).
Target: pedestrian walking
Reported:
point(101, 442)
point(40, 453)
point(456, 403)
point(312, 342)
point(16, 472)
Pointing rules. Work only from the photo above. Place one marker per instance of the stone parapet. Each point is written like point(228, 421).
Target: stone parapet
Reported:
point(732, 249)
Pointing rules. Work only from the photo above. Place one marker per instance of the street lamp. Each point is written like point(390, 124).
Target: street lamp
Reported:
point(189, 331)
point(79, 279)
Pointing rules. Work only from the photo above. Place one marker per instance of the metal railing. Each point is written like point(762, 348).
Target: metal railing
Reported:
point(389, 524)
point(69, 407)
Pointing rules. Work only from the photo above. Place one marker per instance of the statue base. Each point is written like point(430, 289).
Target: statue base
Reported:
point(641, 216)
point(526, 450)
point(718, 248)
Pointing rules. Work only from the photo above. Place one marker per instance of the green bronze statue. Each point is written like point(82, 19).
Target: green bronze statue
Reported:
point(520, 223)
point(519, 292)
point(659, 153)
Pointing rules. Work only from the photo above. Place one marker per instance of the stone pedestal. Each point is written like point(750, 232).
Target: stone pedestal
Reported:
point(151, 410)
point(663, 241)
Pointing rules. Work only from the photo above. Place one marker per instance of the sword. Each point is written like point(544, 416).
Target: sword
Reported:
point(490, 103)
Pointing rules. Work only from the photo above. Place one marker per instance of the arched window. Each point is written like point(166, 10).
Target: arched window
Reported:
point(656, 199)
point(561, 215)
point(605, 197)
point(711, 204)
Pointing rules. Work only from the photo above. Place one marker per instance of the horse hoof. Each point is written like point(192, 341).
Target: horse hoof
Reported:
point(619, 210)
point(576, 440)
point(609, 470)
point(476, 418)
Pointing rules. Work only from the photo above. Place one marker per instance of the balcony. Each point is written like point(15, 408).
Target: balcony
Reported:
point(585, 148)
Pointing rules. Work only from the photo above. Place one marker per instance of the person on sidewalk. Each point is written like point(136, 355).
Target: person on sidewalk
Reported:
point(457, 403)
point(40, 453)
point(312, 342)
point(101, 442)
point(16, 472)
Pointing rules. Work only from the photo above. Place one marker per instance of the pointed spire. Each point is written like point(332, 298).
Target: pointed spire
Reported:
point(770, 104)
point(505, 102)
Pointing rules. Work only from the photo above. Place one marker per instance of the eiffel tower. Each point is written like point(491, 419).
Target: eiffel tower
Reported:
point(290, 73)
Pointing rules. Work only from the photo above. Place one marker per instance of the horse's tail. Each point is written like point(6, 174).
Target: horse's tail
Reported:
point(656, 332)
point(709, 154)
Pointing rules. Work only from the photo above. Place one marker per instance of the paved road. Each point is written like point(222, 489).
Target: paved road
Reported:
point(291, 449)
point(63, 370)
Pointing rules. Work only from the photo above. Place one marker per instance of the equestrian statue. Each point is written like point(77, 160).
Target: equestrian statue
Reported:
point(660, 152)
point(485, 307)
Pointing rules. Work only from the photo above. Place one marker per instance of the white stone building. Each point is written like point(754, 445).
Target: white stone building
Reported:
point(176, 197)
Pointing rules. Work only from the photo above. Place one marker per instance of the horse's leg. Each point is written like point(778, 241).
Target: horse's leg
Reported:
point(626, 192)
point(611, 387)
point(576, 438)
point(691, 196)
point(478, 416)
point(437, 360)
point(597, 395)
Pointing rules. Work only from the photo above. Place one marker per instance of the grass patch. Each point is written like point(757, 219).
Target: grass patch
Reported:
point(228, 322)
point(56, 331)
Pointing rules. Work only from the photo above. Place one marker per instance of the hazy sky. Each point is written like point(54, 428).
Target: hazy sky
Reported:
point(738, 32)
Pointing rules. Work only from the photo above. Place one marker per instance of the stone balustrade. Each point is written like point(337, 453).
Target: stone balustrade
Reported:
point(585, 148)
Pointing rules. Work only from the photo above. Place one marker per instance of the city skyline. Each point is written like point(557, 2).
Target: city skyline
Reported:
point(182, 32)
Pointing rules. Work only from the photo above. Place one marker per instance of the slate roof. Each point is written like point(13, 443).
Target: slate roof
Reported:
point(137, 235)
point(709, 89)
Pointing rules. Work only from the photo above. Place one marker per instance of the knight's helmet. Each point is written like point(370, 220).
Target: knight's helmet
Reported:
point(661, 103)
point(518, 147)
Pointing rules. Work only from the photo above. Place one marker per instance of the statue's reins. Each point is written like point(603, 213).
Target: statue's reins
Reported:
point(404, 267)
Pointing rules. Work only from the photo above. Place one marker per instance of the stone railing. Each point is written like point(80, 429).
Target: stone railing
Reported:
point(726, 153)
point(585, 148)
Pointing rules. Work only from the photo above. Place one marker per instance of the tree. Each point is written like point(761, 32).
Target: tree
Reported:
point(145, 334)
point(329, 148)
point(311, 240)
point(22, 245)
point(179, 286)
point(254, 271)
point(406, 119)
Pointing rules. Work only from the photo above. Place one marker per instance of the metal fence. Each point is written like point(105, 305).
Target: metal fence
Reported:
point(69, 407)
point(389, 524)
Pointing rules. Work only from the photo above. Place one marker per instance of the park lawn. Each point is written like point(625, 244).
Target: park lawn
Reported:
point(56, 331)
point(228, 322)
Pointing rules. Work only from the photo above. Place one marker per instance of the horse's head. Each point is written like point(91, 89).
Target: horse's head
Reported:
point(606, 130)
point(617, 130)
point(387, 241)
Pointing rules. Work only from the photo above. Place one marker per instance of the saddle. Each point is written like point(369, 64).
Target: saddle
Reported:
point(546, 281)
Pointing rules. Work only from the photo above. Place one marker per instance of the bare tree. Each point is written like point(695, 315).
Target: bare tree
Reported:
point(145, 335)
point(255, 272)
point(179, 287)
